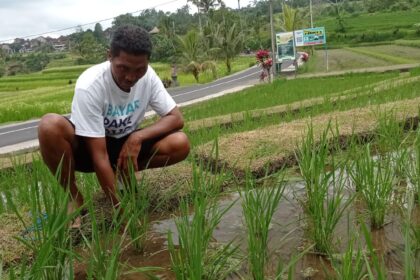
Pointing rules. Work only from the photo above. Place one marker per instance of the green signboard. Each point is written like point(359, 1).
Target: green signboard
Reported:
point(310, 37)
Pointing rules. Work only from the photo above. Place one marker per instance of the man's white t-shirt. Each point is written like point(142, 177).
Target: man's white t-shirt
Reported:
point(100, 108)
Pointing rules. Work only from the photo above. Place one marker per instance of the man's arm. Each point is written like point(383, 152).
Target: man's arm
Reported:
point(171, 122)
point(102, 167)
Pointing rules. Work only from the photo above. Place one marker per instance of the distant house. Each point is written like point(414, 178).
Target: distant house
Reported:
point(154, 30)
point(7, 49)
point(60, 47)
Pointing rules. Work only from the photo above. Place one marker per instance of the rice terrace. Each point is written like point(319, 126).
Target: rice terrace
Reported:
point(311, 173)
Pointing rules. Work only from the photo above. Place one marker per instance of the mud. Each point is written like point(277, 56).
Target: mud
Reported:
point(287, 237)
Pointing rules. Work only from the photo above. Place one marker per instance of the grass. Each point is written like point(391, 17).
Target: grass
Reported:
point(411, 54)
point(381, 21)
point(408, 43)
point(268, 126)
point(279, 93)
point(341, 59)
point(380, 55)
point(371, 27)
point(24, 97)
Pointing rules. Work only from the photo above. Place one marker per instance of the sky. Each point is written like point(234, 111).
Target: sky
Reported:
point(20, 18)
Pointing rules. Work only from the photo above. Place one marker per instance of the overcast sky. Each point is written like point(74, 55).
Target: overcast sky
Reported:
point(19, 18)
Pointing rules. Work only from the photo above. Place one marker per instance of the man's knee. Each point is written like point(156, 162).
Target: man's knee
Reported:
point(53, 128)
point(49, 124)
point(180, 145)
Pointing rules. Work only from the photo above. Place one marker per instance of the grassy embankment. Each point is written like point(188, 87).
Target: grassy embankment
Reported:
point(349, 58)
point(372, 28)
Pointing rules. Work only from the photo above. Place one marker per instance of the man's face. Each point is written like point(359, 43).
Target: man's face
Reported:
point(127, 69)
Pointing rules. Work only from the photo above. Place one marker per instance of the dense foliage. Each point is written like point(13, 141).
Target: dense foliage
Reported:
point(222, 33)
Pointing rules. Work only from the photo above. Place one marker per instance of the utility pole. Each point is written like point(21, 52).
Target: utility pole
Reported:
point(239, 4)
point(310, 11)
point(273, 54)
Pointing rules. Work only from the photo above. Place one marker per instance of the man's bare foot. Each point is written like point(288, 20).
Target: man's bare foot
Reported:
point(76, 223)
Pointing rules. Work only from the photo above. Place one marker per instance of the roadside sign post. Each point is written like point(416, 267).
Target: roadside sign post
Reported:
point(286, 49)
point(312, 37)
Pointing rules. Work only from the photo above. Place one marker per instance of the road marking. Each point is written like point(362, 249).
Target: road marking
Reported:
point(192, 91)
point(20, 129)
point(181, 94)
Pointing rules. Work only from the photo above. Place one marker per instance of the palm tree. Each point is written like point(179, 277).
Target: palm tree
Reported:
point(205, 5)
point(192, 54)
point(229, 41)
point(291, 19)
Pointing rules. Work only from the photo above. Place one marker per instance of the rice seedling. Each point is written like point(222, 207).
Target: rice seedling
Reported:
point(351, 264)
point(374, 179)
point(287, 271)
point(48, 237)
point(136, 201)
point(410, 249)
point(323, 208)
point(389, 133)
point(258, 206)
point(189, 260)
point(105, 244)
point(375, 265)
point(412, 167)
point(20, 274)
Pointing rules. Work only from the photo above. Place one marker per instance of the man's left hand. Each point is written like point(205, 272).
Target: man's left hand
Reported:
point(129, 153)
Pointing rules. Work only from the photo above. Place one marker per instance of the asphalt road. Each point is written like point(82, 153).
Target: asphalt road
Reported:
point(22, 132)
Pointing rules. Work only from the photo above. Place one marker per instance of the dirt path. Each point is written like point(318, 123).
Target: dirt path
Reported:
point(271, 148)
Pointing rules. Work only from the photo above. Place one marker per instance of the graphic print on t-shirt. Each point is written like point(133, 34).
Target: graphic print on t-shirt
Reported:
point(117, 120)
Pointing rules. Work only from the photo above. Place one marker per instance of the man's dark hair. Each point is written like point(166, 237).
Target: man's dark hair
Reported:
point(132, 40)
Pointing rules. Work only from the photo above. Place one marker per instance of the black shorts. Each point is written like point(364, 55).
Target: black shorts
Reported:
point(83, 161)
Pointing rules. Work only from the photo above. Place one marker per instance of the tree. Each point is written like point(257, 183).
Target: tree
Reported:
point(163, 48)
point(205, 5)
point(90, 50)
point(99, 34)
point(190, 45)
point(336, 4)
point(182, 20)
point(2, 67)
point(290, 19)
point(125, 19)
point(228, 39)
point(36, 61)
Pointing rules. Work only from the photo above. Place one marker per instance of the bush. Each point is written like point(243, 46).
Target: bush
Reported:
point(2, 68)
point(400, 6)
point(163, 48)
point(36, 61)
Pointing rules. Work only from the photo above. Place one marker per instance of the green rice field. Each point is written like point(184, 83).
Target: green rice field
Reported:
point(337, 197)
point(31, 96)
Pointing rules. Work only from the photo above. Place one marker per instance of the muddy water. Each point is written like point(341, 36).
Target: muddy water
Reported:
point(287, 237)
